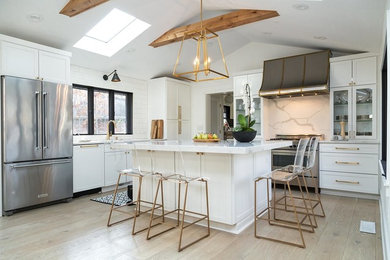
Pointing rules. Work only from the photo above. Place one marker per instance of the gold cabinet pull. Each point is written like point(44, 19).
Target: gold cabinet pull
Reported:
point(349, 163)
point(349, 182)
point(89, 145)
point(348, 148)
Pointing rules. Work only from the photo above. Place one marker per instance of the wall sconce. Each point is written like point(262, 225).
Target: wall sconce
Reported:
point(115, 77)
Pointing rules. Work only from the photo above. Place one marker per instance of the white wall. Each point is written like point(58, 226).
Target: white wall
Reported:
point(93, 78)
point(248, 58)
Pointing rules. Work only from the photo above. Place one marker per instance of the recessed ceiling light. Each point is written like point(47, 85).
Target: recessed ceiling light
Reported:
point(112, 33)
point(301, 7)
point(320, 37)
point(35, 18)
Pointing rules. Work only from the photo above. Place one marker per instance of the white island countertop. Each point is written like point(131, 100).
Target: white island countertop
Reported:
point(223, 147)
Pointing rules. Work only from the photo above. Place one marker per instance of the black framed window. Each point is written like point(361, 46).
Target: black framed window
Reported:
point(94, 107)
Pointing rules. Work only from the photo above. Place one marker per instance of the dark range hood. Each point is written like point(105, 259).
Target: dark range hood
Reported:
point(301, 75)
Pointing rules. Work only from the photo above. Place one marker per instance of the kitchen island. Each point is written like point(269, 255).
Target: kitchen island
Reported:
point(230, 166)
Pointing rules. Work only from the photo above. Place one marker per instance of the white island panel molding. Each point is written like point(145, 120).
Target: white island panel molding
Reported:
point(231, 168)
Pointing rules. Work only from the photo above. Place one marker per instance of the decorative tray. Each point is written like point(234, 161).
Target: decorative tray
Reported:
point(206, 140)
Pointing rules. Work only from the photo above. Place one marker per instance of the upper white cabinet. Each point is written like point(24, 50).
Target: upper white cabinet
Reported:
point(29, 60)
point(353, 72)
point(254, 81)
point(353, 97)
point(54, 67)
point(170, 100)
point(20, 61)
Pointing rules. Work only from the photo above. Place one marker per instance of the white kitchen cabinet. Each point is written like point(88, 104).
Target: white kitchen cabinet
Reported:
point(19, 61)
point(88, 167)
point(353, 97)
point(29, 62)
point(254, 81)
point(356, 107)
point(113, 163)
point(170, 100)
point(349, 167)
point(54, 67)
point(361, 71)
point(185, 131)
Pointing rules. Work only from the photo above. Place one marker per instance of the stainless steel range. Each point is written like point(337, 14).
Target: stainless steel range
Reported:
point(285, 156)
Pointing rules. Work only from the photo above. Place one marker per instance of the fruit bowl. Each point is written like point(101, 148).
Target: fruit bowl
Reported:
point(202, 137)
point(206, 140)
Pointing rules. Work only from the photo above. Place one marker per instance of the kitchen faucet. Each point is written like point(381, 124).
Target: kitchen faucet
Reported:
point(109, 134)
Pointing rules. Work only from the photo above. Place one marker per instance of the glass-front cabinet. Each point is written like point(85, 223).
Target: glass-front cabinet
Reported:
point(354, 114)
point(257, 115)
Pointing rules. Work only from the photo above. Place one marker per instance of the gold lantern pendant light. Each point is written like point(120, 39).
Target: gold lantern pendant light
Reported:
point(201, 66)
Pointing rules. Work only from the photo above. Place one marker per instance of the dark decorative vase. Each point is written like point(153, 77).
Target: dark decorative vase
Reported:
point(244, 136)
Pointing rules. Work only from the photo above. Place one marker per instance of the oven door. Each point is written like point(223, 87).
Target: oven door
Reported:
point(281, 158)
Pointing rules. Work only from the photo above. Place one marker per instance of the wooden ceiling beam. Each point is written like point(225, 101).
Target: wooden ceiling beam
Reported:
point(75, 7)
point(219, 23)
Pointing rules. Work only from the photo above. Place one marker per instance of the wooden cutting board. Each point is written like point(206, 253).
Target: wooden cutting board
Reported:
point(157, 129)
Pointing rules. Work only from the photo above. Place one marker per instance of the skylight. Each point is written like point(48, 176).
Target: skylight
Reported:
point(112, 33)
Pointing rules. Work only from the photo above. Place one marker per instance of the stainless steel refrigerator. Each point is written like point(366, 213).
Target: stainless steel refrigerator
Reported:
point(36, 142)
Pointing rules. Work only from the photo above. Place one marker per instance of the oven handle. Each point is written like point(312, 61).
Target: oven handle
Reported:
point(292, 152)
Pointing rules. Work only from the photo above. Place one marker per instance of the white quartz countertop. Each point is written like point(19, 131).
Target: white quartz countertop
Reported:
point(87, 141)
point(224, 147)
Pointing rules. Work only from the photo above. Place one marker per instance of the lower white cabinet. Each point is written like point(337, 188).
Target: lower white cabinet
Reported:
point(349, 167)
point(88, 167)
point(113, 163)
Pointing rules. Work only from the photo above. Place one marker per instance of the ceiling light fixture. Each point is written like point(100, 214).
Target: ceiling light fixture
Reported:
point(115, 77)
point(320, 37)
point(201, 65)
point(35, 18)
point(301, 7)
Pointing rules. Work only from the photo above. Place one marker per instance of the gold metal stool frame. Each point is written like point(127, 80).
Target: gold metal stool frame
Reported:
point(280, 222)
point(316, 200)
point(180, 180)
point(138, 202)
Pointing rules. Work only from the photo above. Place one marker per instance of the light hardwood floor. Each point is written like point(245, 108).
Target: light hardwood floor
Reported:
point(77, 230)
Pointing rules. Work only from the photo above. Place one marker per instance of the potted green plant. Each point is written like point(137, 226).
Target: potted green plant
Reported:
point(244, 131)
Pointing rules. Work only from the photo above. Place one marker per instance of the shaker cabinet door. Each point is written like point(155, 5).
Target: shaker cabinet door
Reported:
point(364, 71)
point(19, 61)
point(54, 67)
point(341, 73)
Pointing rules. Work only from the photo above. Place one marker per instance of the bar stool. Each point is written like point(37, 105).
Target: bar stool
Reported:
point(140, 174)
point(180, 179)
point(313, 145)
point(285, 177)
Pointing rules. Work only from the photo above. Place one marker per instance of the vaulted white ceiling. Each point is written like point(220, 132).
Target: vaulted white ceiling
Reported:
point(348, 25)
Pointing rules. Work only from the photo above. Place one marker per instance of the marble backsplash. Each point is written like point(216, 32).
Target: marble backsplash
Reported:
point(297, 115)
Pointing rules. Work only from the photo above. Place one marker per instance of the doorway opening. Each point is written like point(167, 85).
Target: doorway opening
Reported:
point(221, 114)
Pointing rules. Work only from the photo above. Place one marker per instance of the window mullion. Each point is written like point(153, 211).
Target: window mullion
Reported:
point(90, 112)
point(111, 109)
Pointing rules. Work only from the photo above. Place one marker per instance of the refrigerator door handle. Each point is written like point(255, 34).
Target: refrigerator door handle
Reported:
point(38, 120)
point(24, 165)
point(45, 145)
